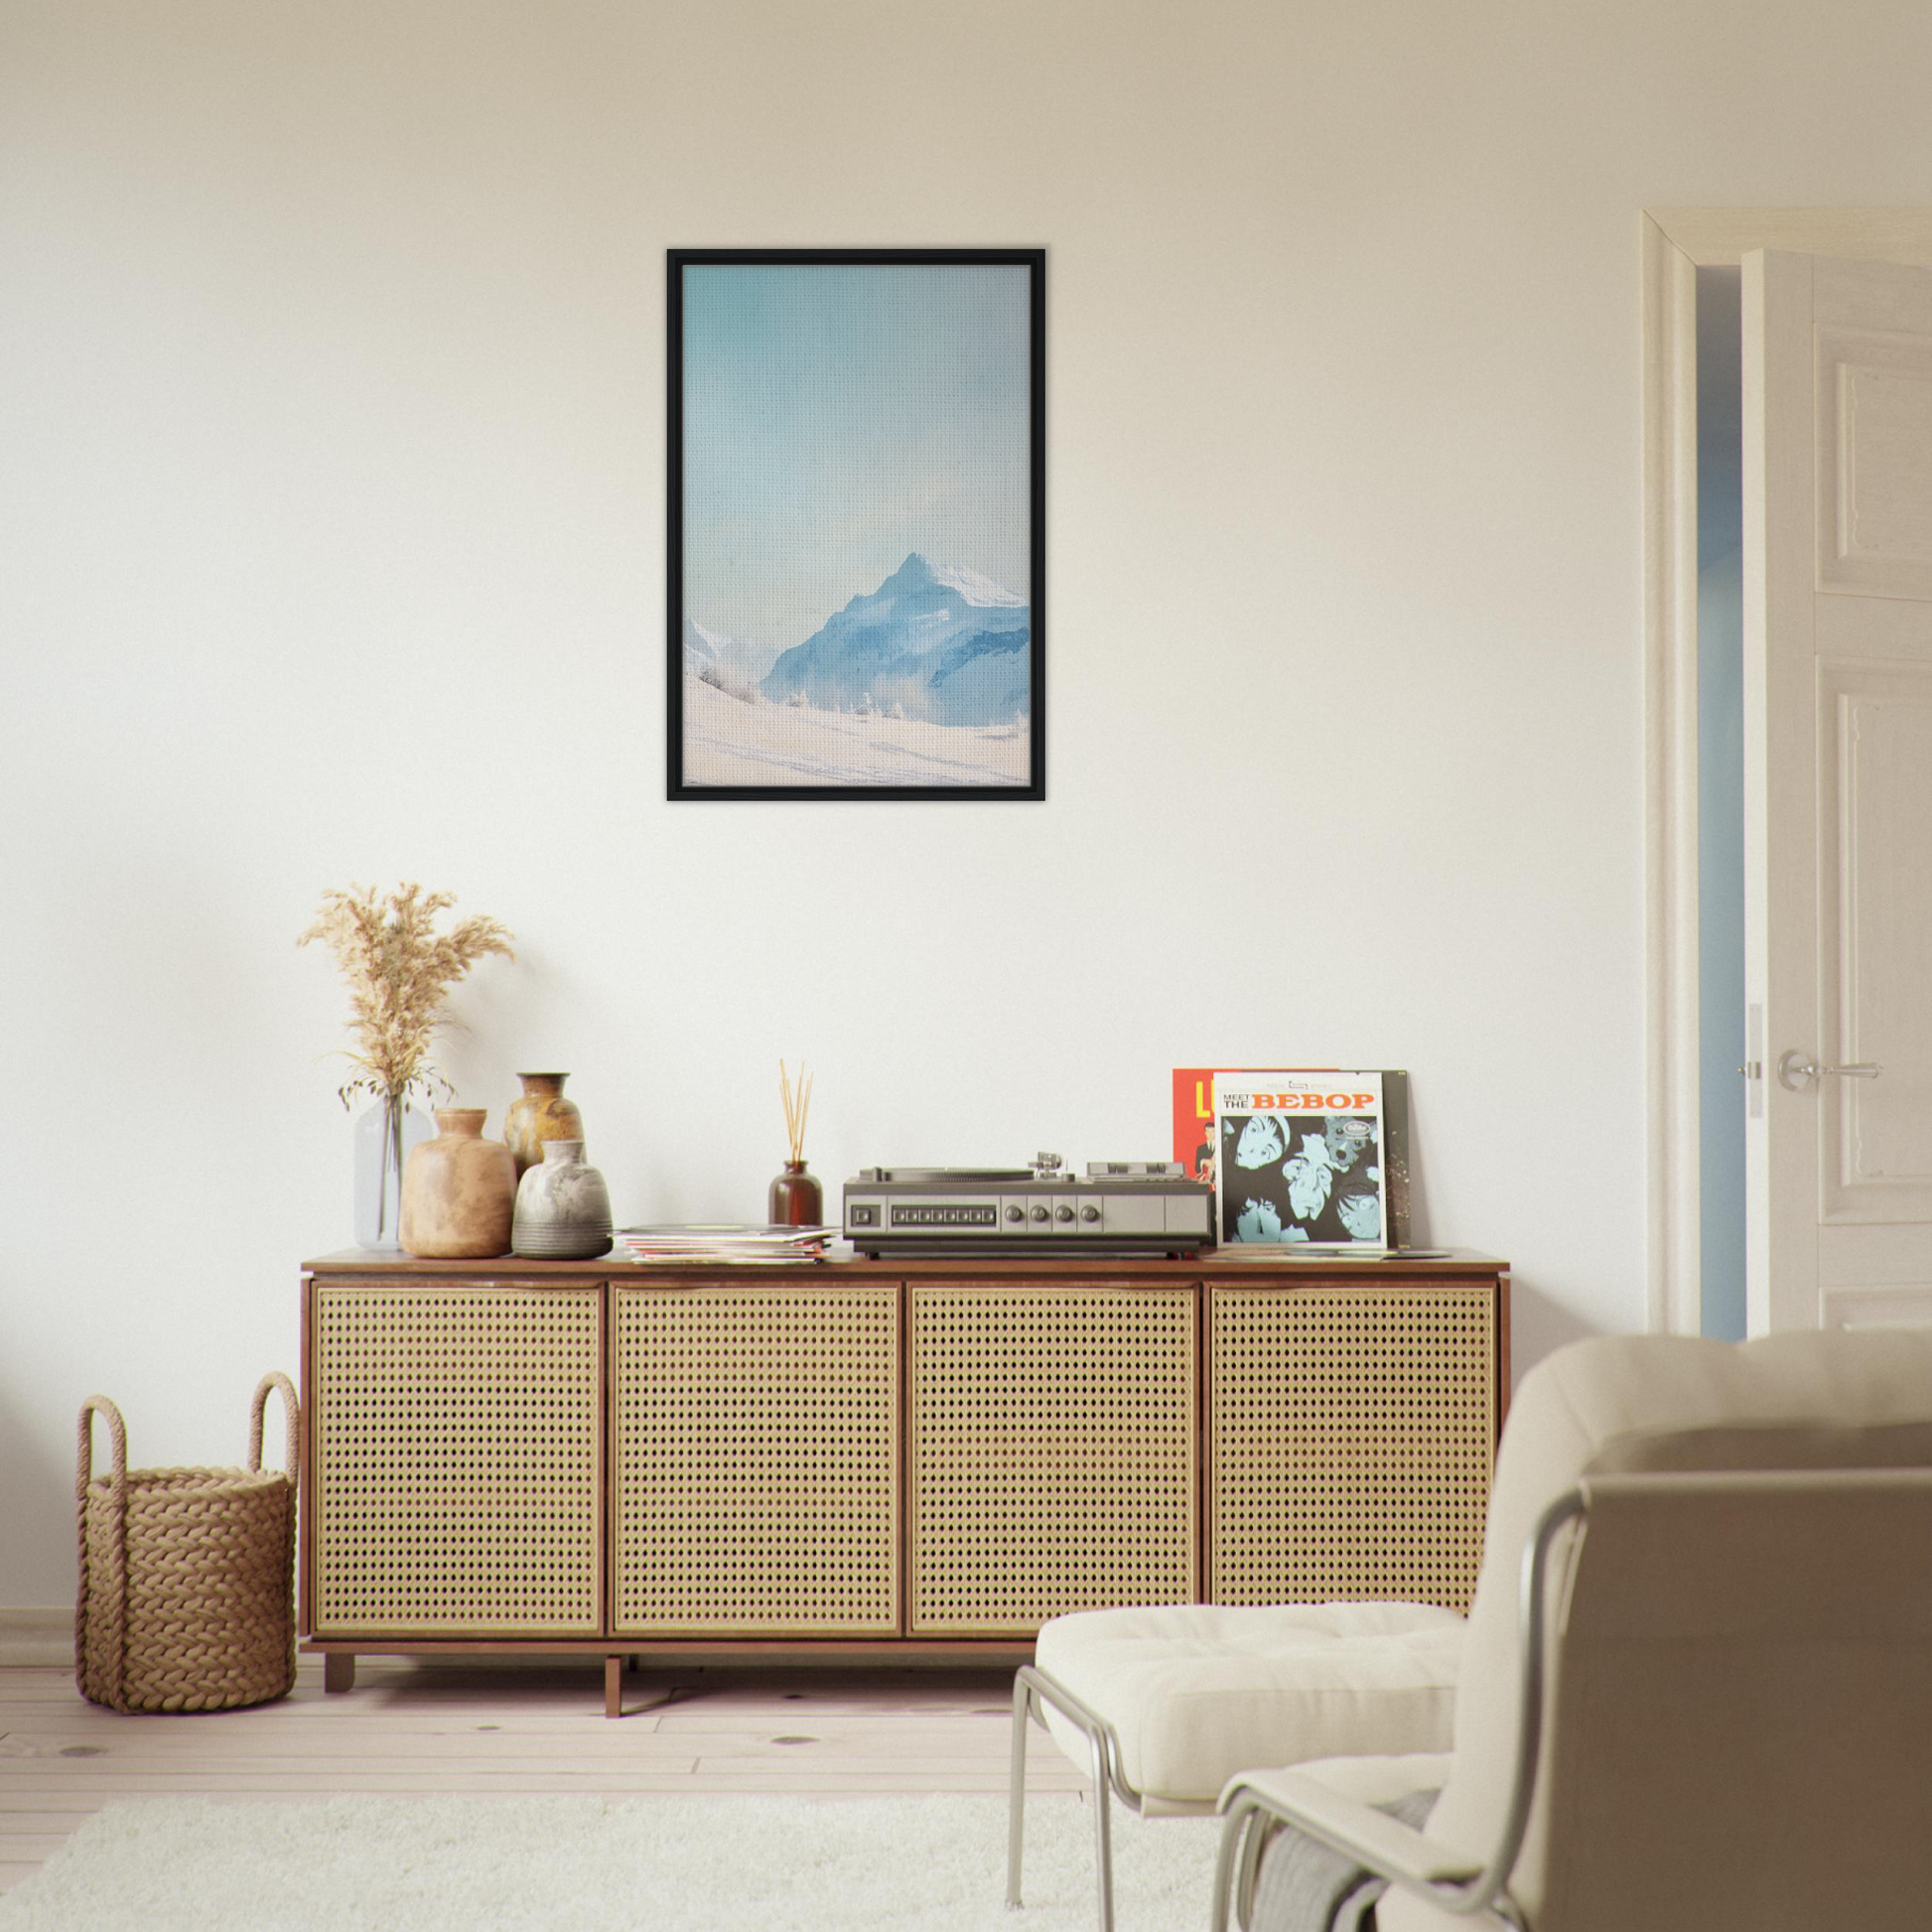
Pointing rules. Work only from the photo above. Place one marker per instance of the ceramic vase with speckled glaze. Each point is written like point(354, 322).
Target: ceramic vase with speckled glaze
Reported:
point(563, 1208)
point(458, 1190)
point(540, 1114)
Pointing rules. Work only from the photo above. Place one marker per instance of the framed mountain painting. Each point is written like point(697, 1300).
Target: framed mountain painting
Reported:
point(857, 541)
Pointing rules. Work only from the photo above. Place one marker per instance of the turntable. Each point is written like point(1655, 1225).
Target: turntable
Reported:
point(1128, 1208)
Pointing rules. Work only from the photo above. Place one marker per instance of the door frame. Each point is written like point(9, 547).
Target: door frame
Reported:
point(1676, 242)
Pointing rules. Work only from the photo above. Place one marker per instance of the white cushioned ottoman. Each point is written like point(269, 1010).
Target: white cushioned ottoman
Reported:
point(1198, 1692)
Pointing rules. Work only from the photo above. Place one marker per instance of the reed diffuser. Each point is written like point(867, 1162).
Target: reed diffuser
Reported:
point(795, 1200)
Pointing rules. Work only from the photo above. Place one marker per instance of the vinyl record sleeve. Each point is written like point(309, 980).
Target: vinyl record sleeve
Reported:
point(1197, 1146)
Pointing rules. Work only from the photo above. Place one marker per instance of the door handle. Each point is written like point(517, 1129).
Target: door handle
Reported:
point(1797, 1069)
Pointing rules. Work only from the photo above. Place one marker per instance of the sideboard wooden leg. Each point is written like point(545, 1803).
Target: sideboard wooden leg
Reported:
point(338, 1670)
point(613, 1687)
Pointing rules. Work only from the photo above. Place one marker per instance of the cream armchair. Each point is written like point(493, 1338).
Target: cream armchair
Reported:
point(1696, 1692)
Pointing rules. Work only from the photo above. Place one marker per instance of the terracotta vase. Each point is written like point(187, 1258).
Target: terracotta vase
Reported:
point(563, 1208)
point(540, 1114)
point(458, 1190)
point(795, 1199)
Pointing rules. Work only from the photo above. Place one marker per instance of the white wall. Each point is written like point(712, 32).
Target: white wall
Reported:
point(331, 549)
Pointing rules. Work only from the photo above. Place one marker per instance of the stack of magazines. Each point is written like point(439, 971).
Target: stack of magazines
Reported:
point(699, 1241)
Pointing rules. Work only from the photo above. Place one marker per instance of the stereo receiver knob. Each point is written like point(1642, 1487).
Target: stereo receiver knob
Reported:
point(1015, 1212)
point(1089, 1213)
point(1064, 1214)
point(1039, 1215)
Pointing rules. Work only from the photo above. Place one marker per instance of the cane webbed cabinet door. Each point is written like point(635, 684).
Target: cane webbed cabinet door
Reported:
point(1052, 1440)
point(1351, 1437)
point(456, 1458)
point(756, 1431)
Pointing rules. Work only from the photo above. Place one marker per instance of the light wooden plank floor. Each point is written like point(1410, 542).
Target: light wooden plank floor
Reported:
point(510, 1728)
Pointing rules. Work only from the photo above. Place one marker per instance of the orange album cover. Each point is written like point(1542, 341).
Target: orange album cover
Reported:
point(1193, 1111)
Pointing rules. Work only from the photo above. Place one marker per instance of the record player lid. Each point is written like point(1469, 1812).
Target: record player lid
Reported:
point(938, 1174)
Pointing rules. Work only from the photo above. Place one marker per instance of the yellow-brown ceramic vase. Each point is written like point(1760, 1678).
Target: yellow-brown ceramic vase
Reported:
point(458, 1190)
point(540, 1114)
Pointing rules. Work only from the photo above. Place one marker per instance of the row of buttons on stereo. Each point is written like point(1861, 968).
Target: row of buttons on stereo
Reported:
point(906, 1214)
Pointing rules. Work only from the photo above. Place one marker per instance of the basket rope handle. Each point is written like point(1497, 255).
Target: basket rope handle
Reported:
point(117, 1434)
point(114, 1587)
point(291, 1410)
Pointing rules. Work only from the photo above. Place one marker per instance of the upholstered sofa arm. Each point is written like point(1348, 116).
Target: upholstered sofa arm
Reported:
point(1342, 1813)
point(1372, 1780)
point(1383, 1844)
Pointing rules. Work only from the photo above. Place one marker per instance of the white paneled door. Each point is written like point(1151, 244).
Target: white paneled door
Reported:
point(1838, 776)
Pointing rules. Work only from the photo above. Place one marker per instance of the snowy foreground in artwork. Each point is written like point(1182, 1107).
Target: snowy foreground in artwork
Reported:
point(927, 680)
point(749, 741)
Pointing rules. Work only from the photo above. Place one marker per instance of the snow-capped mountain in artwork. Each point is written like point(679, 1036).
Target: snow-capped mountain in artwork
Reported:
point(940, 643)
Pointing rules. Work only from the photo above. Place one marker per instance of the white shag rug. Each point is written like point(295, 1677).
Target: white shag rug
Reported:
point(757, 1864)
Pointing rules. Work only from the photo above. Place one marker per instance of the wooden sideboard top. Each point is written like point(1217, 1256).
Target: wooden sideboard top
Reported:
point(1216, 1264)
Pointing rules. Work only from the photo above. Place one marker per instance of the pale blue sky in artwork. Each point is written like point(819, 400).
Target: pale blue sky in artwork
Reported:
point(838, 417)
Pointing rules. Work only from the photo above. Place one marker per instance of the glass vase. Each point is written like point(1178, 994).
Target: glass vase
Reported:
point(384, 1135)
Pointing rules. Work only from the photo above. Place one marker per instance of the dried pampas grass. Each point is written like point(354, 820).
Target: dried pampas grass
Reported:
point(399, 969)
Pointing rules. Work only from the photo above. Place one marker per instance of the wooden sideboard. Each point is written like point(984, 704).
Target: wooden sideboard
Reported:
point(883, 1460)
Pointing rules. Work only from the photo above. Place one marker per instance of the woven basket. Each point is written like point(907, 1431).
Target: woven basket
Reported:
point(187, 1598)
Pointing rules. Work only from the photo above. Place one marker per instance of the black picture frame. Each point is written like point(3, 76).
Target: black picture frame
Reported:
point(680, 782)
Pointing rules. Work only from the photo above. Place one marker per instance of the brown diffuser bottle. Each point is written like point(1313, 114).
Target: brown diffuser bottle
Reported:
point(795, 1199)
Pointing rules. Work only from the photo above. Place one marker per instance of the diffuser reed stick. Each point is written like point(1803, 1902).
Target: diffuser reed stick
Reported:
point(798, 1104)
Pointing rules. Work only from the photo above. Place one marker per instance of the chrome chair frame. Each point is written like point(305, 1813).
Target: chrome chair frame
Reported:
point(1031, 1689)
point(1253, 1816)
